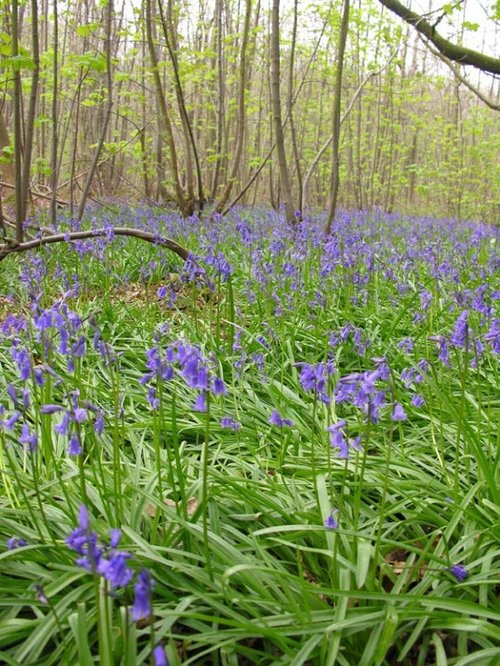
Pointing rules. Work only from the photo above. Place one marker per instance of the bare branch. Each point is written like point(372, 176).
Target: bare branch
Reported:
point(454, 68)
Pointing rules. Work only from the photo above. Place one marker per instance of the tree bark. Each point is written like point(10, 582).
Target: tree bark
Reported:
point(286, 188)
point(337, 98)
point(240, 127)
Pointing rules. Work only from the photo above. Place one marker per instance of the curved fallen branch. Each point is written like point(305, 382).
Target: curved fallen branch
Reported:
point(11, 247)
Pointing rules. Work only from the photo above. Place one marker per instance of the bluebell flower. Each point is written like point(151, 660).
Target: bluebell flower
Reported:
point(417, 400)
point(338, 439)
point(16, 542)
point(230, 423)
point(142, 599)
point(201, 403)
point(460, 334)
point(74, 446)
point(492, 337)
point(99, 423)
point(159, 656)
point(218, 387)
point(10, 422)
point(114, 537)
point(62, 428)
point(459, 571)
point(27, 438)
point(80, 415)
point(276, 420)
point(315, 378)
point(114, 569)
point(84, 542)
point(398, 413)
point(331, 522)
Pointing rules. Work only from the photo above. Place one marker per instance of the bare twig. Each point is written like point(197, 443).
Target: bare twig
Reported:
point(456, 71)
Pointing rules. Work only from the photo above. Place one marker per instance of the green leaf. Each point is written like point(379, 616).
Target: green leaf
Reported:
point(365, 551)
point(78, 623)
point(19, 62)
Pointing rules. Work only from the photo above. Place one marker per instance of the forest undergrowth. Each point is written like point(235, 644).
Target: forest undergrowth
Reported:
point(282, 451)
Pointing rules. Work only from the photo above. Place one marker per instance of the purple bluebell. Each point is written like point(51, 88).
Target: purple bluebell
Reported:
point(27, 438)
point(142, 598)
point(459, 571)
point(492, 337)
point(115, 570)
point(230, 423)
point(276, 420)
point(16, 542)
point(331, 522)
point(80, 415)
point(417, 400)
point(398, 413)
point(84, 542)
point(99, 423)
point(159, 656)
point(460, 333)
point(201, 403)
point(74, 446)
point(338, 440)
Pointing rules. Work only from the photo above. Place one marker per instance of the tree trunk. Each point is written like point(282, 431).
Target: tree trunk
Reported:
point(337, 98)
point(286, 188)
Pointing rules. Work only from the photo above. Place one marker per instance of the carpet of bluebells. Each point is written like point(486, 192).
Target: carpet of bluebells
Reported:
point(282, 451)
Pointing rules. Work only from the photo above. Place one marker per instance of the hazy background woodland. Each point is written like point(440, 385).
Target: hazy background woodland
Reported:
point(172, 102)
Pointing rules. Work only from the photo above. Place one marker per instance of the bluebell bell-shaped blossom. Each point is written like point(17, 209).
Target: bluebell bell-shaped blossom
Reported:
point(74, 446)
point(398, 413)
point(443, 353)
point(152, 398)
point(407, 344)
point(339, 441)
point(315, 378)
point(115, 570)
point(99, 423)
point(200, 404)
point(159, 656)
point(9, 422)
point(23, 361)
point(331, 521)
point(417, 400)
point(27, 438)
point(85, 543)
point(460, 333)
point(459, 571)
point(277, 420)
point(492, 337)
point(142, 599)
point(229, 423)
point(16, 542)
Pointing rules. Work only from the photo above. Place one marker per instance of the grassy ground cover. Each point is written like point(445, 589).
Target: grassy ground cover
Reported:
point(283, 452)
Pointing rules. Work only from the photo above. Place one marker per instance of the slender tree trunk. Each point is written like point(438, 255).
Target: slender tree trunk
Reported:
point(221, 87)
point(286, 188)
point(171, 43)
point(184, 205)
point(337, 98)
point(55, 128)
point(16, 75)
point(107, 115)
point(241, 122)
point(291, 78)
